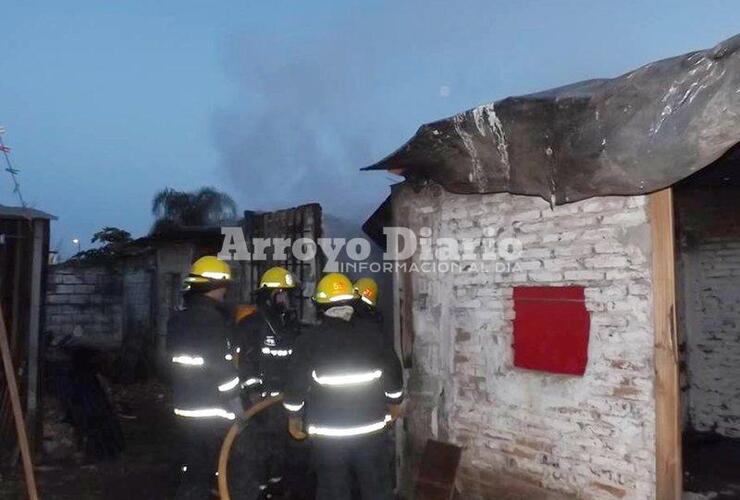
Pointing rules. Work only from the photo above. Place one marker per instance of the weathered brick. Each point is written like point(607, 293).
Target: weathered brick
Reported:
point(584, 275)
point(604, 261)
point(630, 218)
point(713, 299)
point(545, 276)
point(549, 431)
point(602, 204)
point(63, 289)
point(70, 279)
point(57, 299)
point(573, 250)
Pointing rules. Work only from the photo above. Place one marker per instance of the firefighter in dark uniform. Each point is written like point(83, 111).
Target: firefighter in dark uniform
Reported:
point(267, 337)
point(205, 383)
point(344, 389)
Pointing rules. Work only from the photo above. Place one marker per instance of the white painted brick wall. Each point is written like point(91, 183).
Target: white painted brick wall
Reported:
point(590, 436)
point(713, 336)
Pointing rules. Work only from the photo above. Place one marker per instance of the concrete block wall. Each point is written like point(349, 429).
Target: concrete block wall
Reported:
point(173, 263)
point(137, 285)
point(542, 435)
point(85, 302)
point(138, 291)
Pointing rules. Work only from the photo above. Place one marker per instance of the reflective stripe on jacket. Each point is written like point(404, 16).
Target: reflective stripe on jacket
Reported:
point(342, 376)
point(268, 347)
point(204, 382)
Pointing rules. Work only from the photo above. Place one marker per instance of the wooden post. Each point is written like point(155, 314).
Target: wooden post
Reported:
point(38, 229)
point(17, 280)
point(15, 400)
point(667, 391)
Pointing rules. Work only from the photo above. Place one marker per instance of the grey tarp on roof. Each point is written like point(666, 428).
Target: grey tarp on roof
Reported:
point(633, 134)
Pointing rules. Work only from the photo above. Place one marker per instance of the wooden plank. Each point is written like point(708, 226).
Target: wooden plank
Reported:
point(15, 399)
point(667, 389)
point(438, 471)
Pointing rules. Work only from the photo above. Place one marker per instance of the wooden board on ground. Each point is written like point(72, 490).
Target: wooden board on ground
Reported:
point(437, 471)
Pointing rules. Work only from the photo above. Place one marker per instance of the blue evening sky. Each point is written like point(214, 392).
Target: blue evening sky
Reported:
point(280, 103)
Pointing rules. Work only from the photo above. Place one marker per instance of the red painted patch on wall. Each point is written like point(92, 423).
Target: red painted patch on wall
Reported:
point(551, 329)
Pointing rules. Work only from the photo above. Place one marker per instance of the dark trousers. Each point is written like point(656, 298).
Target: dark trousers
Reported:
point(337, 460)
point(272, 435)
point(201, 442)
point(299, 478)
point(258, 455)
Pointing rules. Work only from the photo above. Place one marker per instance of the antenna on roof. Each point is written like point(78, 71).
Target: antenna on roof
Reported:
point(12, 171)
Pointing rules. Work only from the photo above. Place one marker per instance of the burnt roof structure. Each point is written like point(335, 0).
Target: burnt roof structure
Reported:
point(630, 135)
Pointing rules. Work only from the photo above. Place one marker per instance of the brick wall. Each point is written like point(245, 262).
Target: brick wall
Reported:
point(709, 278)
point(714, 345)
point(537, 434)
point(85, 302)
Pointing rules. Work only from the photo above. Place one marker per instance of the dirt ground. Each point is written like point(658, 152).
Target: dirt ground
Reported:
point(147, 469)
point(712, 465)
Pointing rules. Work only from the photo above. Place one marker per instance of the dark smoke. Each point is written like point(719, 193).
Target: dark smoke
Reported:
point(314, 106)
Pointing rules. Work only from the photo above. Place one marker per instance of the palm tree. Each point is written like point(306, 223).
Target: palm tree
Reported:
point(204, 207)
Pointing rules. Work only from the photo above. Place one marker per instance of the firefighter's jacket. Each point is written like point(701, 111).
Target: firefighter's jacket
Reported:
point(205, 382)
point(267, 346)
point(342, 377)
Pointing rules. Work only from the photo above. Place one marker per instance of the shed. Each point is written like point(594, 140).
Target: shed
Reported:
point(537, 320)
point(24, 249)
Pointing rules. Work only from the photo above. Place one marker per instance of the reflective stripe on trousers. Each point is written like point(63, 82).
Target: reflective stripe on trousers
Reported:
point(359, 430)
point(204, 413)
point(188, 360)
point(344, 379)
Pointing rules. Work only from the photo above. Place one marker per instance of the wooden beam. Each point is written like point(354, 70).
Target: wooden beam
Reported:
point(15, 400)
point(667, 390)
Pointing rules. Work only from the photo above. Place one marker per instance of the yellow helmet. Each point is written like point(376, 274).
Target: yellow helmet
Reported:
point(367, 289)
point(334, 287)
point(208, 269)
point(277, 277)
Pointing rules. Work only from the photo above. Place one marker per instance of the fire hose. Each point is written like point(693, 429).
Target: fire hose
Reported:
point(223, 458)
